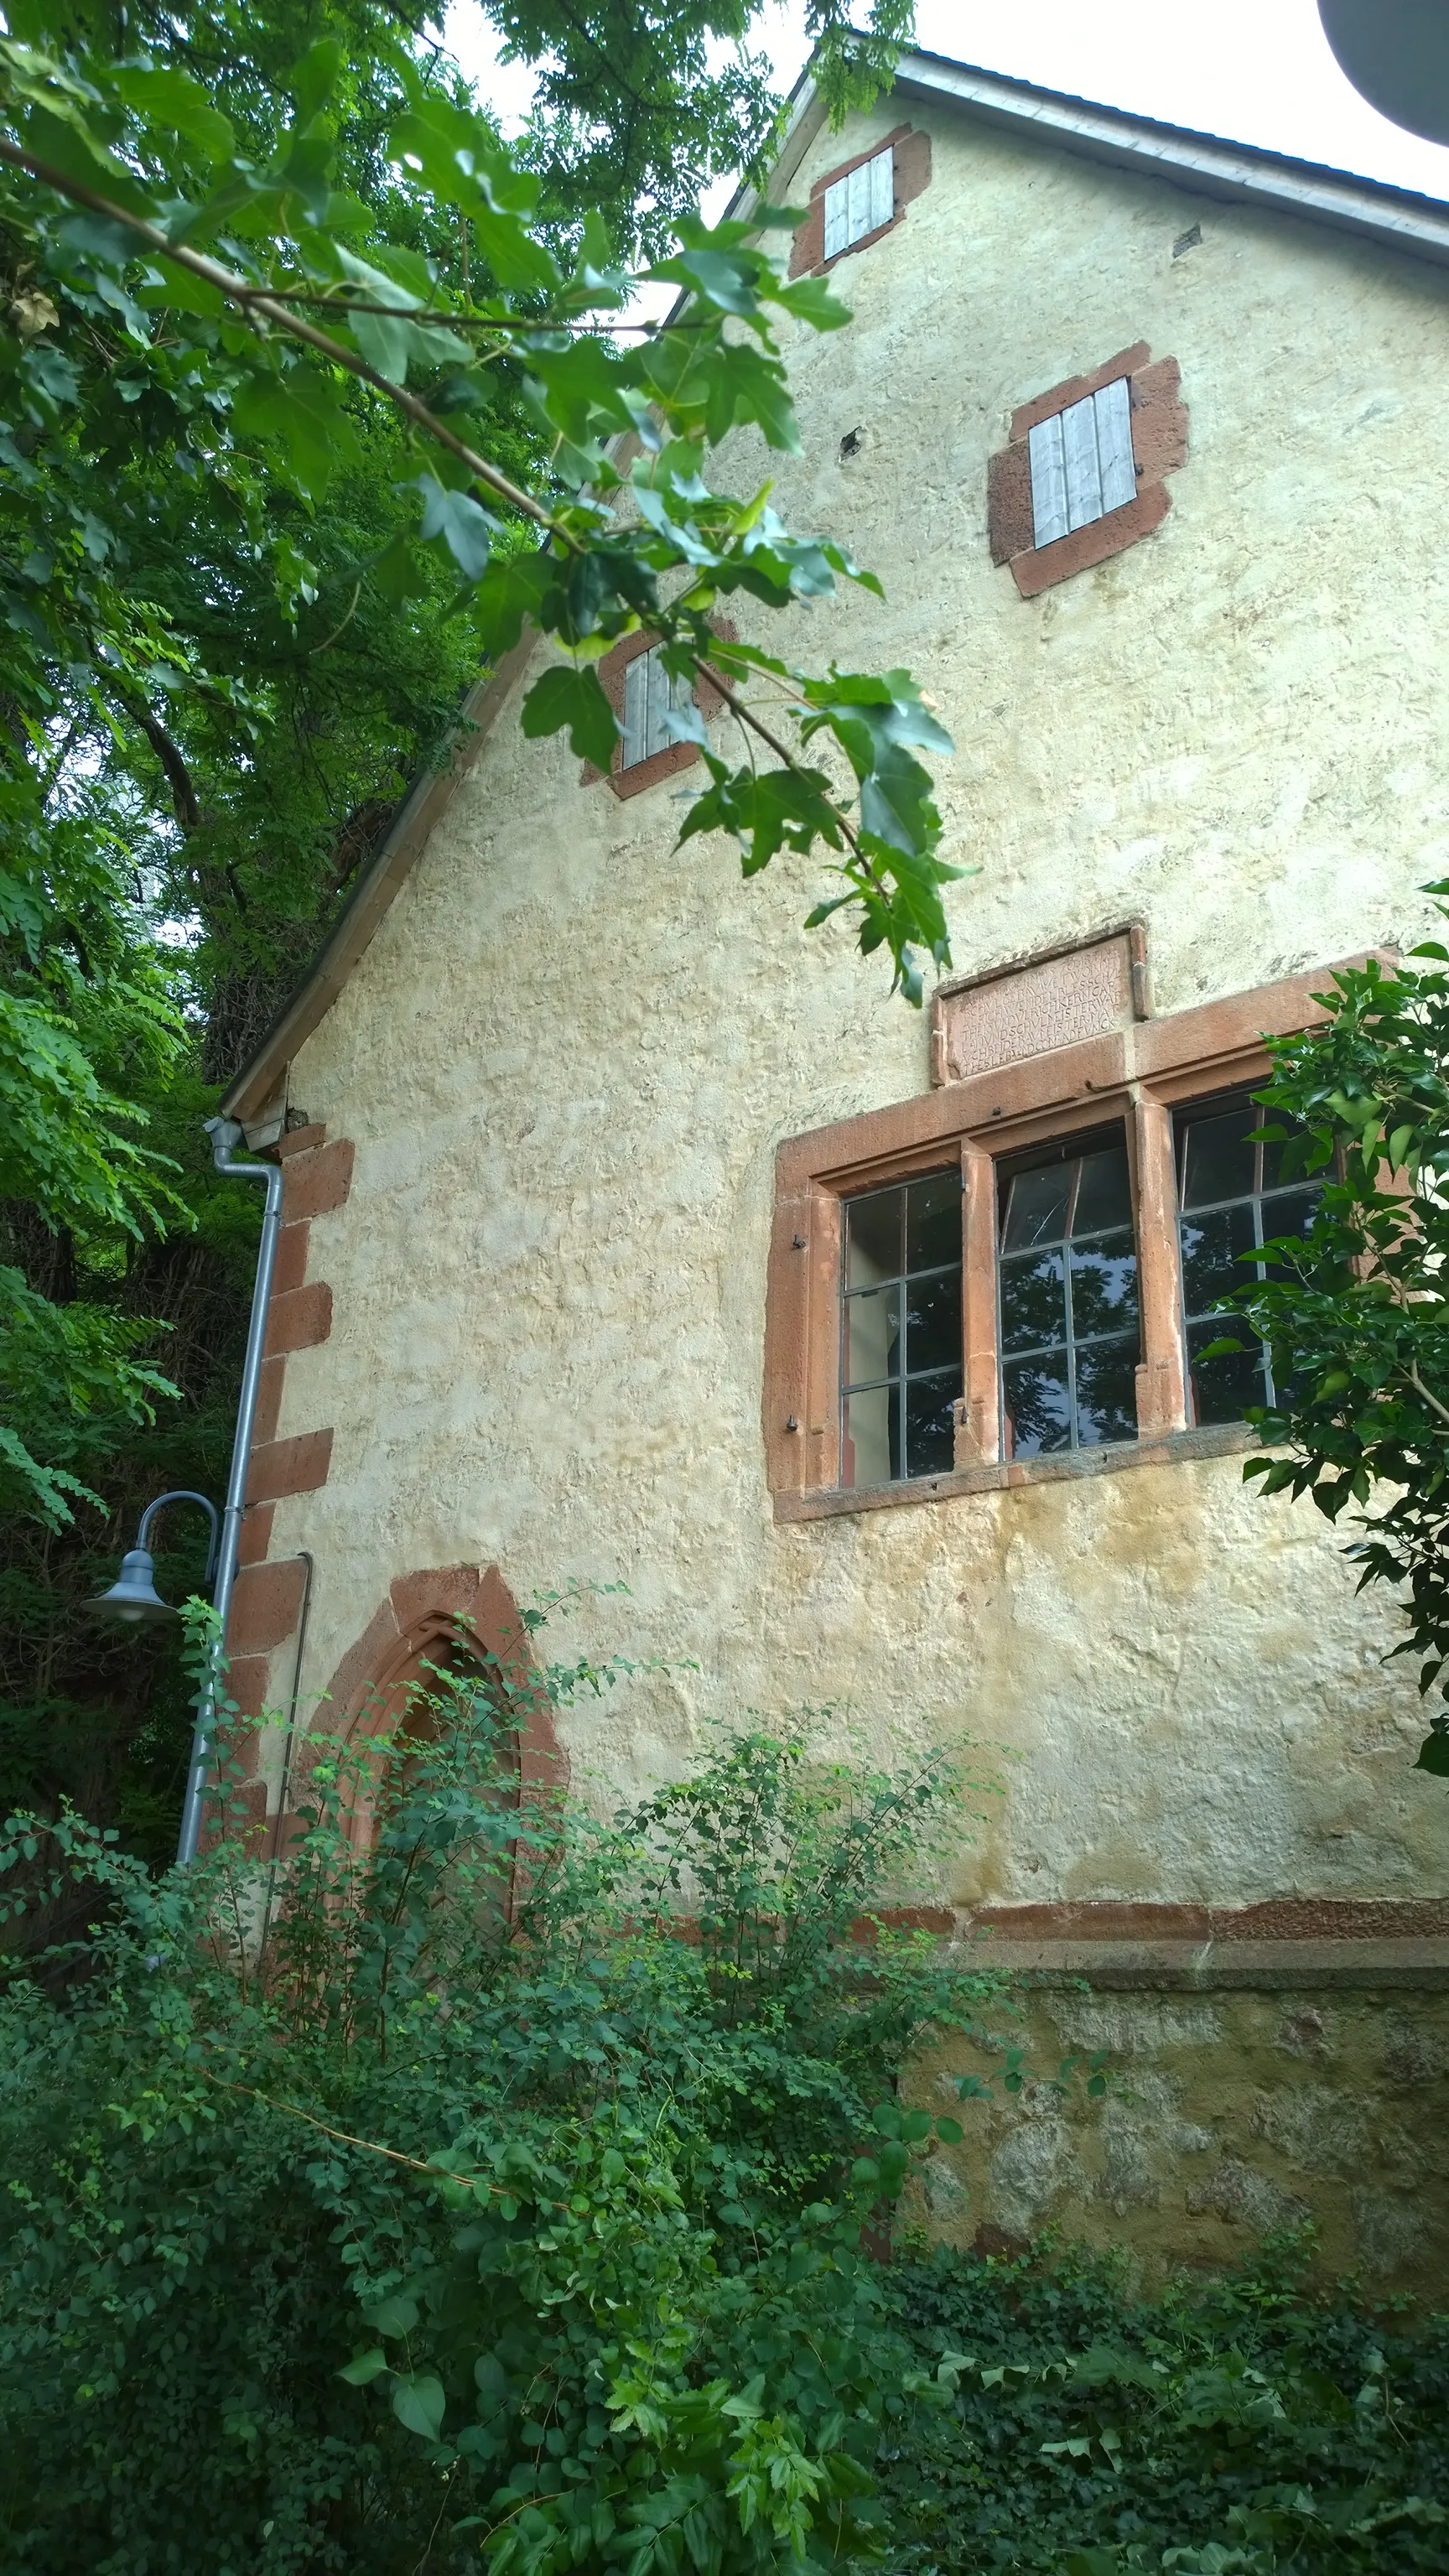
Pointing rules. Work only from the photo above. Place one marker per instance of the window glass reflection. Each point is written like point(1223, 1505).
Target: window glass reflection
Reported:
point(900, 1331)
point(1233, 1200)
point(1069, 1306)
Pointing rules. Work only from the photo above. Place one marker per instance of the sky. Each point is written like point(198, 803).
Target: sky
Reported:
point(1254, 71)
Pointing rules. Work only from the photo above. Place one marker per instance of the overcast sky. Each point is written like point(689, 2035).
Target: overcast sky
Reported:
point(1256, 71)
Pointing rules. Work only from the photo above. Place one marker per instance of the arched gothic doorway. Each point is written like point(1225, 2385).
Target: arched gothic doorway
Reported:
point(458, 1620)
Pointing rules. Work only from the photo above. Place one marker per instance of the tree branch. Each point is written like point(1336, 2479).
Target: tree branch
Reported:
point(178, 776)
point(258, 304)
point(1417, 1383)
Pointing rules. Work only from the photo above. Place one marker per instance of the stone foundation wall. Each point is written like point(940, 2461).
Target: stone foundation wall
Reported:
point(1234, 2110)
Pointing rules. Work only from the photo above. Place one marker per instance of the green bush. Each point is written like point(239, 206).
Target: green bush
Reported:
point(508, 2193)
point(495, 2194)
point(1232, 2428)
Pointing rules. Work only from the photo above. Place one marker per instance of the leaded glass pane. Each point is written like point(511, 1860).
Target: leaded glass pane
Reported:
point(1104, 1285)
point(1104, 1192)
point(933, 1221)
point(873, 1335)
point(933, 1321)
point(1233, 1202)
point(1036, 1207)
point(870, 1436)
point(1218, 1161)
point(1107, 1391)
point(1037, 1397)
point(873, 1238)
point(1224, 1387)
point(1069, 1318)
point(900, 1330)
point(1033, 1302)
point(930, 1423)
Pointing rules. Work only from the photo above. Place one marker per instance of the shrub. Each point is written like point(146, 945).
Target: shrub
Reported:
point(496, 2193)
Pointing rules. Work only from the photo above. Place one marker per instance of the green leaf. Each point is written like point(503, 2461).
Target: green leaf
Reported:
point(174, 101)
point(364, 2366)
point(418, 2402)
point(395, 2316)
point(466, 528)
point(813, 300)
point(1433, 1753)
point(300, 415)
point(315, 78)
point(569, 696)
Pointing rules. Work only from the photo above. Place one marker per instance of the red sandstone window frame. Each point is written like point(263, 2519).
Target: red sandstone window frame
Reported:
point(660, 764)
point(911, 150)
point(1135, 1078)
point(1158, 419)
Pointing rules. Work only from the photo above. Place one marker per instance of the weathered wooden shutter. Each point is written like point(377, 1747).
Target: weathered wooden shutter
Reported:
point(649, 693)
point(1081, 463)
point(636, 710)
point(1113, 409)
point(860, 203)
point(1048, 481)
point(663, 694)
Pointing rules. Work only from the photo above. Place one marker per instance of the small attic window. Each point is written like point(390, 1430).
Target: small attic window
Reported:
point(649, 696)
point(1082, 466)
point(859, 203)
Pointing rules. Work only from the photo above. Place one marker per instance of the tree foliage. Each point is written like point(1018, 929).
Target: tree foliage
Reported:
point(1355, 1313)
point(291, 308)
point(241, 603)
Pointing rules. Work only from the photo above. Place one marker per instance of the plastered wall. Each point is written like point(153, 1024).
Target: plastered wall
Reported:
point(569, 1053)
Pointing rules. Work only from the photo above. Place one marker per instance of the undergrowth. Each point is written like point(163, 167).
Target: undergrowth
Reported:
point(1235, 2427)
point(502, 2188)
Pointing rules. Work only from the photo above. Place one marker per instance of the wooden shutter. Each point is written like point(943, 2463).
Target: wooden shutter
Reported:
point(1081, 463)
point(636, 711)
point(1079, 456)
point(649, 694)
point(860, 202)
point(882, 189)
point(663, 694)
point(1048, 482)
point(1113, 409)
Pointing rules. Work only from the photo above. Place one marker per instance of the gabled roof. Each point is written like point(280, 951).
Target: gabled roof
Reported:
point(1206, 165)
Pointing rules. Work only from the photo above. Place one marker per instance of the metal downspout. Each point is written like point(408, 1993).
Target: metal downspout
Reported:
point(226, 1134)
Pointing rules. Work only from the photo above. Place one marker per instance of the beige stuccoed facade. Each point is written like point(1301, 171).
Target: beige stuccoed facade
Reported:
point(569, 1053)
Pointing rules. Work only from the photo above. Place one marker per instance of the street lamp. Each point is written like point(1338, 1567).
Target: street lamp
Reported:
point(134, 1599)
point(1396, 53)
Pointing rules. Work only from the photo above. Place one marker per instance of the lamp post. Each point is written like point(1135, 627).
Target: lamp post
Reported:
point(133, 1599)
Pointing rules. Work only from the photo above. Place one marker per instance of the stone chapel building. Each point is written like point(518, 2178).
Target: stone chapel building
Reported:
point(636, 1237)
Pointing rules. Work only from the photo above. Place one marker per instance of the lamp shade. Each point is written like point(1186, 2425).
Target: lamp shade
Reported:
point(1396, 53)
point(134, 1597)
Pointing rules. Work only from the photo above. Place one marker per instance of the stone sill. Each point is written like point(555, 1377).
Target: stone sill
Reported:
point(1215, 1966)
point(1220, 1440)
